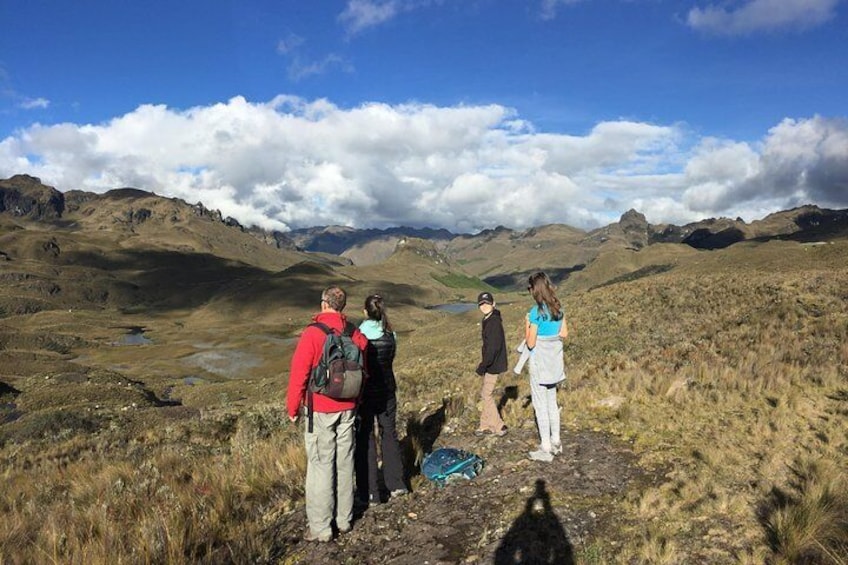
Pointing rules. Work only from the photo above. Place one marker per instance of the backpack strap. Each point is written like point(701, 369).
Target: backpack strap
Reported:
point(309, 394)
point(321, 326)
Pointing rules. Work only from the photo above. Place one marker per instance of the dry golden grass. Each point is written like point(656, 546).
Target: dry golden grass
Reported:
point(171, 505)
point(728, 376)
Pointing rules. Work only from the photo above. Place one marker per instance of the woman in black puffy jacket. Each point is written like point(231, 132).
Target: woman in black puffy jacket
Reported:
point(378, 405)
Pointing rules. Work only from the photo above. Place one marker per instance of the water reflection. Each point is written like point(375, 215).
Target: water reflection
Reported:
point(135, 336)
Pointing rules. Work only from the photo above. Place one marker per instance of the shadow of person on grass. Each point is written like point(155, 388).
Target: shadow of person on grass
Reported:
point(536, 536)
point(509, 393)
point(421, 435)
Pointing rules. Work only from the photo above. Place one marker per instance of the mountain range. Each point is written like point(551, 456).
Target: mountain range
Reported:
point(142, 221)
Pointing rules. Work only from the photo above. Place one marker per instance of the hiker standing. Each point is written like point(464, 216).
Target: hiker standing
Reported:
point(379, 401)
point(493, 363)
point(330, 442)
point(545, 328)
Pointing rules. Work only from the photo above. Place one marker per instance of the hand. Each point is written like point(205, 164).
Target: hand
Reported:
point(293, 419)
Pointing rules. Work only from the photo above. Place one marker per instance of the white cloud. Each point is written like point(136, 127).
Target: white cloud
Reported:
point(300, 69)
point(363, 14)
point(549, 7)
point(360, 15)
point(34, 103)
point(761, 15)
point(292, 162)
point(301, 66)
point(290, 44)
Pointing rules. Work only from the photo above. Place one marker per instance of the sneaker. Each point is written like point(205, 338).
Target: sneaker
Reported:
point(540, 455)
point(399, 492)
point(502, 432)
point(556, 449)
point(310, 536)
point(481, 433)
point(345, 529)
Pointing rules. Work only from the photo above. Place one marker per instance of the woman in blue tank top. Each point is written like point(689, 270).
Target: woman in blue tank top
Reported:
point(545, 328)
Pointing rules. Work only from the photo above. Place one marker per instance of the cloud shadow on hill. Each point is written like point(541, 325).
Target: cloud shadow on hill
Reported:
point(518, 280)
point(169, 280)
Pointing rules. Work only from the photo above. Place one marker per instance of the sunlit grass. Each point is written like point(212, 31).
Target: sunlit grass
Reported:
point(732, 389)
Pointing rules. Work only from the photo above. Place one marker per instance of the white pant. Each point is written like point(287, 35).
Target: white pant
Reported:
point(329, 471)
point(547, 414)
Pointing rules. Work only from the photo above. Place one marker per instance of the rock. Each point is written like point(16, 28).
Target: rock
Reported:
point(611, 402)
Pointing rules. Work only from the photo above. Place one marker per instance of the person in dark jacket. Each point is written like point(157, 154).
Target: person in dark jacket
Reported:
point(493, 363)
point(378, 404)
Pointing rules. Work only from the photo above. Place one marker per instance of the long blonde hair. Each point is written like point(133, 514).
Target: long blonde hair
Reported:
point(543, 292)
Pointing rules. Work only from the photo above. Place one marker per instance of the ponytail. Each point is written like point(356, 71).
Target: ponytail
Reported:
point(376, 311)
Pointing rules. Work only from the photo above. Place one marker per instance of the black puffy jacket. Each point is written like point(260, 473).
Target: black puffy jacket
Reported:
point(380, 355)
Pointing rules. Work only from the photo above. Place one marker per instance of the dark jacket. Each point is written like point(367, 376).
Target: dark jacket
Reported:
point(380, 355)
point(494, 345)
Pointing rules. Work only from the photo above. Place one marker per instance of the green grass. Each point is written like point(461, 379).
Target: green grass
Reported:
point(456, 280)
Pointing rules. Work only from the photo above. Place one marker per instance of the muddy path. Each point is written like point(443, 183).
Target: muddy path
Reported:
point(515, 511)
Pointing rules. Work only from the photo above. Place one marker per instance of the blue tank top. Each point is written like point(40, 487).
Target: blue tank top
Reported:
point(542, 319)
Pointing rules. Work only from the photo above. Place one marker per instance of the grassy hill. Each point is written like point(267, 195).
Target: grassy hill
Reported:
point(715, 380)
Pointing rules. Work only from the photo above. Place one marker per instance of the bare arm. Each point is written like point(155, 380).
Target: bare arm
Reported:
point(531, 331)
point(563, 329)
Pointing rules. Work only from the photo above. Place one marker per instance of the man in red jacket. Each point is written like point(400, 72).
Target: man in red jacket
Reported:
point(329, 446)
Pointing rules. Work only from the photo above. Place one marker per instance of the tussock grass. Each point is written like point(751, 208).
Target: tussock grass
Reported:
point(723, 383)
point(168, 507)
point(809, 524)
point(728, 376)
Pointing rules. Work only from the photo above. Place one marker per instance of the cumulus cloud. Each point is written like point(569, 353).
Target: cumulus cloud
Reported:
point(291, 162)
point(761, 15)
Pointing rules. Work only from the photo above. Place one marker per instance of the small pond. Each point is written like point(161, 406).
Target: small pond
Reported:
point(134, 336)
point(194, 381)
point(231, 363)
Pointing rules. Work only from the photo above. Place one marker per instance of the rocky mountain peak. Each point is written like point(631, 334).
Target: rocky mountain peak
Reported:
point(25, 196)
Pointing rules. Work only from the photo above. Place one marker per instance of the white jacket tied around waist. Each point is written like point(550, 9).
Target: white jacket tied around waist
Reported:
point(546, 363)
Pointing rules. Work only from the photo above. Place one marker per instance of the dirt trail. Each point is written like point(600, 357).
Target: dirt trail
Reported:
point(516, 511)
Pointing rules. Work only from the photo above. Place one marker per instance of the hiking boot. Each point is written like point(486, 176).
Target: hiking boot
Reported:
point(481, 433)
point(344, 529)
point(501, 432)
point(540, 455)
point(310, 536)
point(556, 448)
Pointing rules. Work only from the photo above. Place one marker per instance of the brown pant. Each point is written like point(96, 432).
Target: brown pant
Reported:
point(489, 418)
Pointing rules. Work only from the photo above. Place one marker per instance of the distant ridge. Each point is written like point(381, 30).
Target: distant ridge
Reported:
point(338, 239)
point(500, 256)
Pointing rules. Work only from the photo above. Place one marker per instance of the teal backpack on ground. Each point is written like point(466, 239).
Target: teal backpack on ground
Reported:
point(447, 464)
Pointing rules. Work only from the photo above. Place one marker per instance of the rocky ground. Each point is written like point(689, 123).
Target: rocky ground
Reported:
point(515, 511)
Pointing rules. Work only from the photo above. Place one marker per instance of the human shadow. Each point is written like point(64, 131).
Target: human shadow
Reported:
point(509, 393)
point(421, 435)
point(536, 537)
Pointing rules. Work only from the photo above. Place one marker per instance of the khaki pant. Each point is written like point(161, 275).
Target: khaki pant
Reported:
point(490, 419)
point(329, 472)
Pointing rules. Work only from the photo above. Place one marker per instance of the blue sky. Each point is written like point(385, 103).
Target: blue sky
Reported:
point(453, 113)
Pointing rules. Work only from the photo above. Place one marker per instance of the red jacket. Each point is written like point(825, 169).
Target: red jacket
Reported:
point(307, 354)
